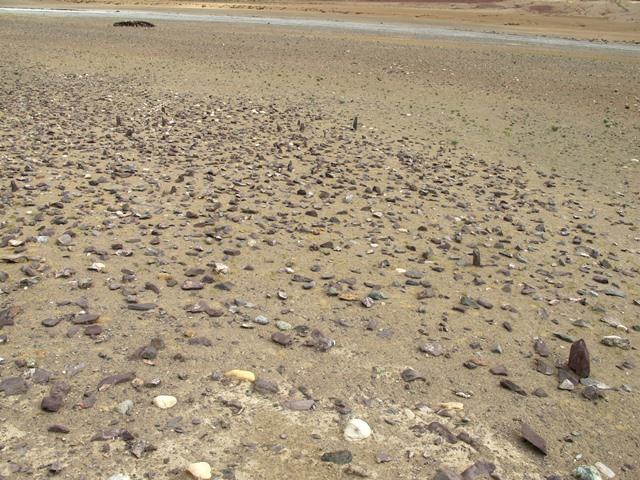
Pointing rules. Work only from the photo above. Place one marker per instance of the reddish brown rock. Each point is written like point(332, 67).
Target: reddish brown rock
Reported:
point(51, 404)
point(579, 360)
point(533, 438)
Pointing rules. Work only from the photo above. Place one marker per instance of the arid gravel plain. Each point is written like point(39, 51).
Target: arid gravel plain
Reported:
point(222, 242)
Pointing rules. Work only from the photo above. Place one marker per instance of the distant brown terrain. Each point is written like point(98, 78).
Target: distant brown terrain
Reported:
point(590, 20)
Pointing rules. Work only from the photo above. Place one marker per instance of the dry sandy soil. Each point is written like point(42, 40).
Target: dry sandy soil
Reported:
point(186, 200)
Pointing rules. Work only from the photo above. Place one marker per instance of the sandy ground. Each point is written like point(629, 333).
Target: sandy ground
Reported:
point(148, 170)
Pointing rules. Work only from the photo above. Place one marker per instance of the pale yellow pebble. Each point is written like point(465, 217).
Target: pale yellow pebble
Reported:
point(242, 375)
point(452, 405)
point(165, 401)
point(200, 470)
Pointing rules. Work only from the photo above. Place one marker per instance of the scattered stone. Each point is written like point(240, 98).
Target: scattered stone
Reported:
point(283, 326)
point(261, 320)
point(201, 306)
point(445, 475)
point(299, 405)
point(591, 392)
point(567, 384)
point(383, 457)
point(320, 342)
point(224, 286)
point(357, 430)
point(564, 337)
point(51, 403)
point(64, 240)
point(579, 360)
point(615, 341)
point(411, 375)
point(165, 402)
point(141, 307)
point(467, 301)
point(341, 457)
point(564, 373)
point(614, 292)
point(104, 435)
point(533, 438)
point(93, 330)
point(414, 274)
point(586, 472)
point(264, 386)
point(192, 285)
point(444, 432)
point(367, 302)
point(483, 302)
point(221, 269)
point(51, 322)
point(200, 470)
point(543, 368)
point(509, 385)
point(140, 447)
point(604, 470)
point(301, 279)
point(124, 407)
point(281, 339)
point(85, 319)
point(58, 429)
point(13, 386)
point(40, 376)
point(432, 348)
point(477, 262)
point(614, 322)
point(108, 382)
point(499, 370)
point(540, 392)
point(241, 375)
point(478, 469)
point(540, 348)
point(591, 382)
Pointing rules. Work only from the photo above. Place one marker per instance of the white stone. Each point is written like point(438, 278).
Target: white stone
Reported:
point(604, 470)
point(566, 385)
point(409, 414)
point(200, 470)
point(165, 401)
point(221, 268)
point(357, 430)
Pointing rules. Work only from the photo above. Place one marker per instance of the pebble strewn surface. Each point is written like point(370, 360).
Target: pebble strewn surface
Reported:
point(253, 286)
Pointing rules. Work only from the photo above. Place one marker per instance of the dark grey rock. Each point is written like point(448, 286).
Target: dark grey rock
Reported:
point(341, 457)
point(13, 386)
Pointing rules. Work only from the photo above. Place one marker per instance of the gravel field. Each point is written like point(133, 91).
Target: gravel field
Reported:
point(223, 244)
